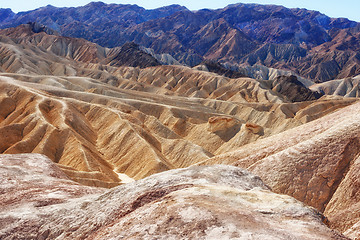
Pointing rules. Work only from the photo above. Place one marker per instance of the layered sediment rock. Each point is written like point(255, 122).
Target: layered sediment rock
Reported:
point(182, 203)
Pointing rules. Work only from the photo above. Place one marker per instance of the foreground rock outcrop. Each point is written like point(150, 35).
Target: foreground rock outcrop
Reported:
point(317, 163)
point(213, 202)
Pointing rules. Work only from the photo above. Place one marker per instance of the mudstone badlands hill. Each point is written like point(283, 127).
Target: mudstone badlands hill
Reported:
point(136, 117)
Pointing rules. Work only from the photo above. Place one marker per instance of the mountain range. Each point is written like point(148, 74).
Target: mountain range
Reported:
point(305, 42)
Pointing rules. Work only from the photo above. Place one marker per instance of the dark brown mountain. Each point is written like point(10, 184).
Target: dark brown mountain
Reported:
point(130, 55)
point(216, 67)
point(293, 90)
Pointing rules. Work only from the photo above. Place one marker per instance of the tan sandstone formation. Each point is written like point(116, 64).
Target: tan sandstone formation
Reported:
point(102, 131)
point(213, 202)
point(99, 122)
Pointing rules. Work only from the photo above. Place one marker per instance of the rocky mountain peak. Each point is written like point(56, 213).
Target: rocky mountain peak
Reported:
point(6, 13)
point(96, 4)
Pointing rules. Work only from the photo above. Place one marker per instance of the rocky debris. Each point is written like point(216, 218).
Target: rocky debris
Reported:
point(39, 202)
point(317, 163)
point(293, 90)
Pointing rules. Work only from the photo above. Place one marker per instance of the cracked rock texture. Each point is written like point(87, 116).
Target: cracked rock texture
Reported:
point(204, 202)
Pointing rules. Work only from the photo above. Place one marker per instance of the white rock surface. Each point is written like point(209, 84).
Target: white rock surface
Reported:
point(209, 202)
